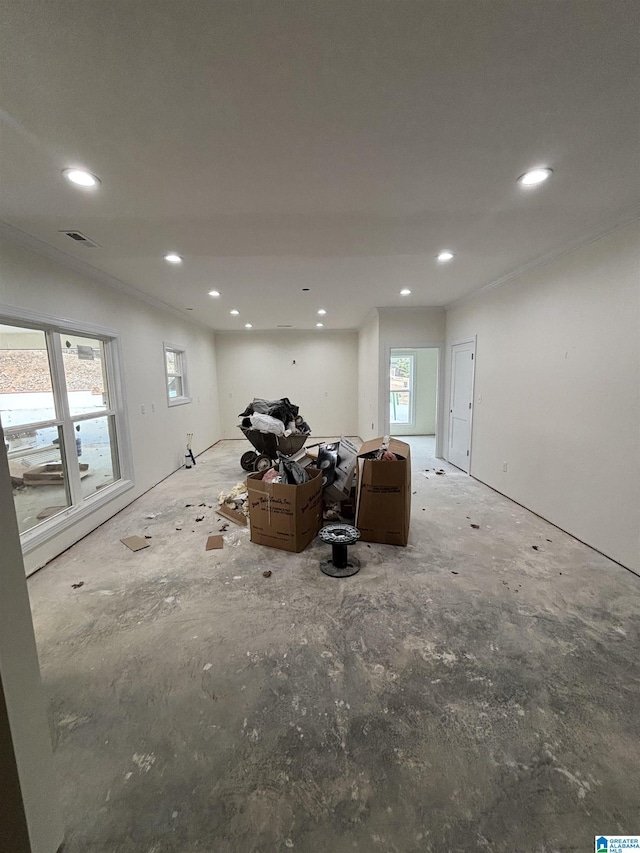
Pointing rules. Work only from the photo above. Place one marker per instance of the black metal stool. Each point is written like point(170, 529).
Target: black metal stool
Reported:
point(339, 536)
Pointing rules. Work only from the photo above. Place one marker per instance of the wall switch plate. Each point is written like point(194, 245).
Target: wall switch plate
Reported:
point(142, 410)
point(153, 407)
point(504, 467)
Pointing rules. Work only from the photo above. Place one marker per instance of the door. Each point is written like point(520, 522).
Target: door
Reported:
point(462, 364)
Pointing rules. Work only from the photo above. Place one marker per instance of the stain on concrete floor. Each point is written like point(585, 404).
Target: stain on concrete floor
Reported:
point(467, 693)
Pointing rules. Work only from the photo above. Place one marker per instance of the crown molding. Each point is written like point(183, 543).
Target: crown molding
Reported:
point(621, 221)
point(21, 238)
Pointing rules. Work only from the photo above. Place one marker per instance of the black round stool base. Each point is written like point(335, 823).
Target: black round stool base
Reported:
point(352, 568)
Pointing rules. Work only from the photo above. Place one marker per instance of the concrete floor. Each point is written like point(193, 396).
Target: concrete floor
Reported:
point(467, 693)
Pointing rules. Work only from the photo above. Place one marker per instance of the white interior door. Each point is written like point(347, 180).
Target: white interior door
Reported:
point(460, 406)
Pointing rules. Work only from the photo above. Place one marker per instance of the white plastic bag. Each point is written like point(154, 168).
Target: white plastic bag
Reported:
point(265, 423)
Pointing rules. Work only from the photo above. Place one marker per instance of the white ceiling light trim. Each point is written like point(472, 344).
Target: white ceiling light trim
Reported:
point(322, 311)
point(248, 325)
point(445, 255)
point(81, 178)
point(214, 293)
point(234, 311)
point(319, 325)
point(534, 177)
point(173, 258)
point(405, 292)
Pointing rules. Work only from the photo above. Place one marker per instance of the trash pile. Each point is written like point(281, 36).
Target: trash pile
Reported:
point(280, 417)
point(383, 453)
point(237, 499)
point(287, 471)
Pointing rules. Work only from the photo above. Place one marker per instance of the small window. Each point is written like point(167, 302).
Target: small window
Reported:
point(175, 364)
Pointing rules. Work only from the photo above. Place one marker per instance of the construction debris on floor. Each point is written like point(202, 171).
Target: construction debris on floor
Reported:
point(280, 417)
point(284, 515)
point(136, 543)
point(234, 504)
point(273, 427)
point(383, 487)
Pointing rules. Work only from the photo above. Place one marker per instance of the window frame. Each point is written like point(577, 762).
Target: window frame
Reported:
point(53, 328)
point(411, 355)
point(181, 361)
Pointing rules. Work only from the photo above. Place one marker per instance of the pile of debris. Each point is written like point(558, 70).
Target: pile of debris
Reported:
point(236, 500)
point(281, 417)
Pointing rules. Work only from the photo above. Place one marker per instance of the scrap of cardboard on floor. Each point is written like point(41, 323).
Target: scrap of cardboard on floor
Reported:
point(232, 515)
point(214, 542)
point(136, 543)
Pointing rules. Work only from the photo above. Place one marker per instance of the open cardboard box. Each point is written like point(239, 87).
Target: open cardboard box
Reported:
point(284, 516)
point(383, 509)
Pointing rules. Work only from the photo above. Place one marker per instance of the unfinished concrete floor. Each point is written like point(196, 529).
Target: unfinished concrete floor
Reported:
point(467, 693)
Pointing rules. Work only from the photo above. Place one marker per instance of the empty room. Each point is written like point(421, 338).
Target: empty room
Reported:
point(320, 415)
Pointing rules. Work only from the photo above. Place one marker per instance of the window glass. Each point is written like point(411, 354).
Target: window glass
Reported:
point(38, 474)
point(97, 454)
point(401, 389)
point(26, 394)
point(175, 369)
point(85, 375)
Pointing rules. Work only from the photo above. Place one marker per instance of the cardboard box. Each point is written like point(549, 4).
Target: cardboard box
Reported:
point(383, 510)
point(283, 516)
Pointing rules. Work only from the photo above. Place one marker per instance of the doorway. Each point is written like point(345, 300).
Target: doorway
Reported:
point(461, 404)
point(413, 392)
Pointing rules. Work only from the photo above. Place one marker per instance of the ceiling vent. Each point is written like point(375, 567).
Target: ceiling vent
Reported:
point(80, 238)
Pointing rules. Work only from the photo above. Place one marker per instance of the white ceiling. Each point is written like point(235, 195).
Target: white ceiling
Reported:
point(335, 145)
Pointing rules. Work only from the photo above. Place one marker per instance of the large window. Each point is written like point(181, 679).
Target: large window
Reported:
point(175, 363)
point(62, 423)
point(401, 388)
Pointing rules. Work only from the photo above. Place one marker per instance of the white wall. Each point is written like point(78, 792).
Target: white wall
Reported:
point(30, 817)
point(323, 382)
point(30, 281)
point(405, 328)
point(425, 391)
point(368, 380)
point(557, 370)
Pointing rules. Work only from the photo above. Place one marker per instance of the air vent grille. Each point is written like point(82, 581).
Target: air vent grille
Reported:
point(79, 237)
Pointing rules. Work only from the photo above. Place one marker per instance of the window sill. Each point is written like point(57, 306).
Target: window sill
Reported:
point(178, 401)
point(57, 524)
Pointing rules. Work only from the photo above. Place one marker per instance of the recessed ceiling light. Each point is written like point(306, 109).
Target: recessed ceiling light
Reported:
point(172, 258)
point(319, 325)
point(305, 289)
point(248, 325)
point(535, 176)
point(81, 178)
point(214, 293)
point(445, 256)
point(322, 311)
point(234, 311)
point(405, 292)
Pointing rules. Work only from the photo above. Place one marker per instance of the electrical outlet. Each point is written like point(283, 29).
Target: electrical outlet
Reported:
point(142, 410)
point(504, 467)
point(153, 407)
point(371, 426)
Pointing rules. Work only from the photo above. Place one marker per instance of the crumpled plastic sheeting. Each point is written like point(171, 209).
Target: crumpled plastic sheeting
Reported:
point(291, 472)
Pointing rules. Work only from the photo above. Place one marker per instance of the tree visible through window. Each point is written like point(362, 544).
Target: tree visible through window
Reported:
point(401, 379)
